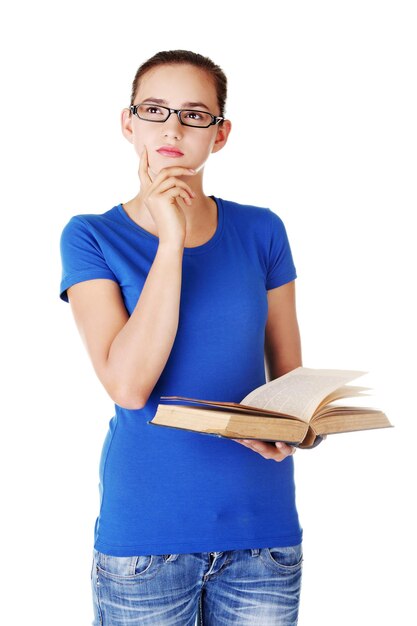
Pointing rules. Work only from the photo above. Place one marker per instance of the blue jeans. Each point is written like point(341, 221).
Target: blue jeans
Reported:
point(244, 587)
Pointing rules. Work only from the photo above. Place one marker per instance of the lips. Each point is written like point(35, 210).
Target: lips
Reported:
point(170, 151)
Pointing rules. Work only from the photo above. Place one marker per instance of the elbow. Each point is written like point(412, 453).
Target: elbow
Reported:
point(127, 399)
point(124, 393)
point(129, 402)
point(130, 405)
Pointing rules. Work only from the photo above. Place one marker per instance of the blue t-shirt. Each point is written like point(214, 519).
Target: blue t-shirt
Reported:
point(164, 490)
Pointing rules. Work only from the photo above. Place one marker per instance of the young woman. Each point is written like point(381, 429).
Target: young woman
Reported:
point(179, 293)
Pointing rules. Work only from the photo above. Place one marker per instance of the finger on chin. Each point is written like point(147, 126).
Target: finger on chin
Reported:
point(144, 176)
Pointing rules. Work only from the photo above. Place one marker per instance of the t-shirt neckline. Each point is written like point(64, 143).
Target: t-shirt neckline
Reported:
point(189, 251)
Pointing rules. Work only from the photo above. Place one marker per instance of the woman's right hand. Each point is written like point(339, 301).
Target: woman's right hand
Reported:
point(163, 197)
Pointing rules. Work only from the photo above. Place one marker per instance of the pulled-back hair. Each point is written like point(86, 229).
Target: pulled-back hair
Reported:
point(178, 57)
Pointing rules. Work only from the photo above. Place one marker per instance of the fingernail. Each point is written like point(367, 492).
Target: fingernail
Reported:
point(190, 170)
point(279, 445)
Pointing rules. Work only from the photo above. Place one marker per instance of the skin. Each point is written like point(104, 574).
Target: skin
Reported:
point(172, 205)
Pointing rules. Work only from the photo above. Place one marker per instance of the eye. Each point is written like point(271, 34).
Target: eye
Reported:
point(152, 110)
point(194, 115)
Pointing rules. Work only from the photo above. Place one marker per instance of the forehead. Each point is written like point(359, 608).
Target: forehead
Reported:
point(177, 84)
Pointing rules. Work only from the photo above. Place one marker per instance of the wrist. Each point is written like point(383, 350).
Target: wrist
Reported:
point(171, 247)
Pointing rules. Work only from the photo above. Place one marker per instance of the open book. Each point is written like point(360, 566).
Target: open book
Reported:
point(299, 408)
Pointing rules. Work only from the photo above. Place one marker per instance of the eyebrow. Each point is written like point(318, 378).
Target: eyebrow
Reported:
point(184, 104)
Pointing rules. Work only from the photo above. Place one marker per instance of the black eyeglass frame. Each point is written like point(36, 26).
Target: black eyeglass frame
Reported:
point(215, 119)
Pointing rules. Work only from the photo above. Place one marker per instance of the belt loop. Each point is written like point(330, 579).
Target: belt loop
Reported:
point(255, 551)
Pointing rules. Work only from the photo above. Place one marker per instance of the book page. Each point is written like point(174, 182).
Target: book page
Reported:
point(347, 391)
point(300, 391)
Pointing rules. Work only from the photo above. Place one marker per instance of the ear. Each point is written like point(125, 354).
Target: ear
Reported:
point(126, 123)
point(223, 132)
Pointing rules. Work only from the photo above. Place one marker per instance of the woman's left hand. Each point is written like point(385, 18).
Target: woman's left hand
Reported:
point(277, 451)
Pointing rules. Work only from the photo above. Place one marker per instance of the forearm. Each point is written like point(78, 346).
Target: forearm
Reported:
point(140, 350)
point(288, 356)
point(282, 334)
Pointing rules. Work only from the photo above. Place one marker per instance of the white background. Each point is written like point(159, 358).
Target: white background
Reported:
point(322, 98)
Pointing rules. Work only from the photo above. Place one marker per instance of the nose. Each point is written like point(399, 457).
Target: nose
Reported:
point(172, 127)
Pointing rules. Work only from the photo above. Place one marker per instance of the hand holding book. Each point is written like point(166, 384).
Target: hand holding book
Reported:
point(277, 451)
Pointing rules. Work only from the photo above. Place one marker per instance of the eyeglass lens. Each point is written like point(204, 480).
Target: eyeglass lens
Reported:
point(155, 113)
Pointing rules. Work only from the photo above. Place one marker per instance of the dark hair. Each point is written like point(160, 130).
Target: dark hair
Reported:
point(178, 57)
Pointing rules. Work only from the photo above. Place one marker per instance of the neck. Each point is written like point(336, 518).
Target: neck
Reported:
point(200, 217)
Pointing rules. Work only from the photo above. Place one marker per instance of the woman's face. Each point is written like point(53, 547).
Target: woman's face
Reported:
point(176, 84)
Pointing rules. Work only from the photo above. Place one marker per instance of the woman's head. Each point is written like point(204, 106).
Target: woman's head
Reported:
point(177, 79)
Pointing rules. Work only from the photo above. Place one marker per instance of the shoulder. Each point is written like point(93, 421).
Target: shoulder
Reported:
point(86, 249)
point(91, 221)
point(260, 219)
point(89, 226)
point(249, 211)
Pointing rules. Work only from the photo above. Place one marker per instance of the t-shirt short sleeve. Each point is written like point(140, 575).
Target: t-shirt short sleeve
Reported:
point(81, 256)
point(281, 267)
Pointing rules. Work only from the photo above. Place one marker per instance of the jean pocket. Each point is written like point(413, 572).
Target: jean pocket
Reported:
point(285, 558)
point(127, 568)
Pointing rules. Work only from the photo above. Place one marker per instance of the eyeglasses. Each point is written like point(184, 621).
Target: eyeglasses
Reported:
point(157, 113)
